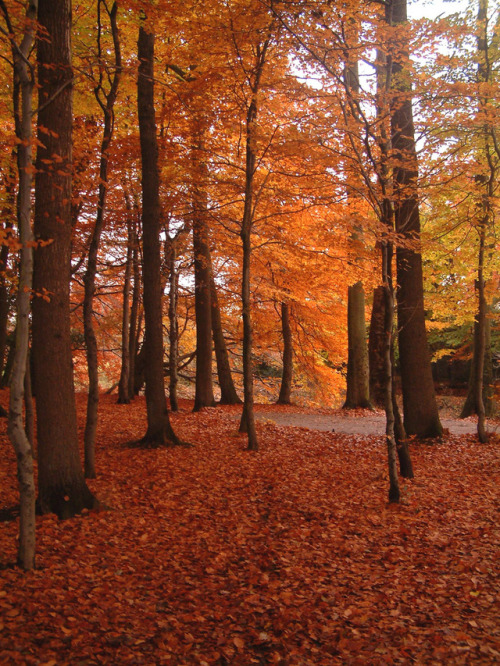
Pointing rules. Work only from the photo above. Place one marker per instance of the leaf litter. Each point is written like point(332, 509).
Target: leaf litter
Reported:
point(291, 555)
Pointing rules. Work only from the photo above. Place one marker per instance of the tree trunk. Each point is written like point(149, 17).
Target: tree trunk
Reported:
point(481, 338)
point(376, 343)
point(394, 492)
point(173, 357)
point(358, 373)
point(247, 423)
point(204, 394)
point(61, 484)
point(106, 102)
point(421, 417)
point(284, 397)
point(135, 316)
point(470, 406)
point(228, 395)
point(4, 305)
point(159, 430)
point(16, 428)
point(124, 383)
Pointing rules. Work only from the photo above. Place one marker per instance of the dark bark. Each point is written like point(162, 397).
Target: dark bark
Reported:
point(228, 395)
point(470, 406)
point(376, 343)
point(4, 305)
point(421, 417)
point(159, 430)
point(284, 397)
point(358, 374)
point(204, 395)
point(394, 492)
point(173, 357)
point(124, 396)
point(481, 337)
point(135, 318)
point(16, 428)
point(106, 101)
point(61, 484)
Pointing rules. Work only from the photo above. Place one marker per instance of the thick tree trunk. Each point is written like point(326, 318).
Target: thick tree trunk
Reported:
point(204, 394)
point(358, 373)
point(284, 397)
point(159, 430)
point(228, 395)
point(421, 417)
point(61, 484)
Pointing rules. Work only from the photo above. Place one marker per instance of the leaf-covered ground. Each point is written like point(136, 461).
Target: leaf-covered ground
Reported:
point(213, 555)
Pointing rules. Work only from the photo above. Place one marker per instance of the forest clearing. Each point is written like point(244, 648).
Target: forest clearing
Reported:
point(289, 555)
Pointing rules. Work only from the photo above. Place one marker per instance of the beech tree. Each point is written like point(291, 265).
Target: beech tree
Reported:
point(24, 71)
point(421, 415)
point(159, 430)
point(61, 484)
point(106, 100)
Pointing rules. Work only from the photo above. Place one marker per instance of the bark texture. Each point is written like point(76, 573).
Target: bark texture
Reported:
point(421, 417)
point(61, 484)
point(358, 373)
point(228, 395)
point(159, 430)
point(284, 397)
point(204, 394)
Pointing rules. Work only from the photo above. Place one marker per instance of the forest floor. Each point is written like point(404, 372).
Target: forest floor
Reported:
point(213, 555)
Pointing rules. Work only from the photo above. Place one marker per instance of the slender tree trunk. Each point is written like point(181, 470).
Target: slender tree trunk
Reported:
point(29, 410)
point(16, 429)
point(106, 102)
point(135, 315)
point(470, 406)
point(376, 345)
point(284, 397)
point(486, 182)
point(481, 338)
point(61, 484)
point(358, 374)
point(4, 305)
point(394, 492)
point(173, 358)
point(204, 395)
point(228, 395)
point(124, 383)
point(159, 430)
point(421, 417)
point(248, 416)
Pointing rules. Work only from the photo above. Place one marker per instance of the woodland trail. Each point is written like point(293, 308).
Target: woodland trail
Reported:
point(360, 422)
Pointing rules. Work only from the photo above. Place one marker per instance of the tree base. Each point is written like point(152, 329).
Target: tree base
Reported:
point(66, 502)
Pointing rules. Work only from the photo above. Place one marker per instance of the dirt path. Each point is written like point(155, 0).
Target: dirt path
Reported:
point(366, 423)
